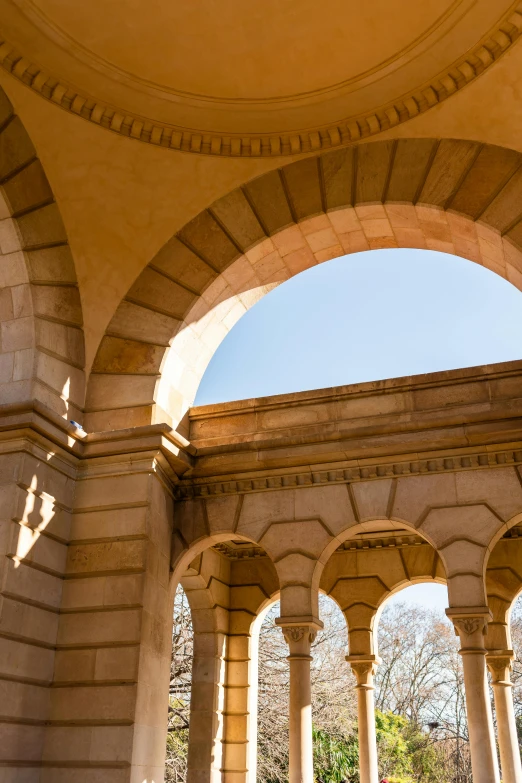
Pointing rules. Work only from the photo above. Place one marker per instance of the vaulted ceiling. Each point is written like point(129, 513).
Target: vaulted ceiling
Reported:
point(144, 116)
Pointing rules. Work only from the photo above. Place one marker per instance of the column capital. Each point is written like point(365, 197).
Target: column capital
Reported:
point(471, 624)
point(363, 666)
point(299, 638)
point(500, 664)
point(299, 633)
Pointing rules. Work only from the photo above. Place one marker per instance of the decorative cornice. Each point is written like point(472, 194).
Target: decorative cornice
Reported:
point(349, 130)
point(244, 553)
point(202, 488)
point(36, 418)
point(363, 667)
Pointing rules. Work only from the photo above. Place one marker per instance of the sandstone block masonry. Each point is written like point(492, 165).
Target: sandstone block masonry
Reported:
point(355, 492)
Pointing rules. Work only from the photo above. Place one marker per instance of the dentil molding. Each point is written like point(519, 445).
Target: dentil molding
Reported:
point(56, 88)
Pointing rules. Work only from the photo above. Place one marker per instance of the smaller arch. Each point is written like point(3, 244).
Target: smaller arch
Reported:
point(375, 559)
point(376, 526)
point(503, 530)
point(439, 580)
point(253, 693)
point(229, 582)
point(503, 585)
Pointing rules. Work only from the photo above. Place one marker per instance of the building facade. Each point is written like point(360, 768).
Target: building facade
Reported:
point(151, 192)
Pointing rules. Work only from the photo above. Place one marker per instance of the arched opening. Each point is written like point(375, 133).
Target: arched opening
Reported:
point(419, 688)
point(366, 317)
point(453, 196)
point(334, 708)
point(221, 592)
point(516, 675)
point(179, 690)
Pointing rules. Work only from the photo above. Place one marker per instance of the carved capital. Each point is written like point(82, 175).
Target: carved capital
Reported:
point(471, 624)
point(364, 668)
point(500, 664)
point(295, 633)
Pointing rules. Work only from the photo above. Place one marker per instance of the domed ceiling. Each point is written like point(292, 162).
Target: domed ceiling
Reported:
point(231, 77)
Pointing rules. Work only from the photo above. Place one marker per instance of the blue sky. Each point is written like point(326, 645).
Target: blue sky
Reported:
point(369, 316)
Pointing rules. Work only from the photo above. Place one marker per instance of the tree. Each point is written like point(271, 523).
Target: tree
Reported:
point(421, 679)
point(420, 720)
point(333, 699)
point(179, 690)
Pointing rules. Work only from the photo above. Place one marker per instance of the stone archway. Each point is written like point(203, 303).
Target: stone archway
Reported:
point(456, 196)
point(41, 344)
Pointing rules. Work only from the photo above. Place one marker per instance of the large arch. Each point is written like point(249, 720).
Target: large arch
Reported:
point(41, 343)
point(457, 196)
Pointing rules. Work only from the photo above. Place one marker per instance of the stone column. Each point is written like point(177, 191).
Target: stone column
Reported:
point(205, 749)
point(500, 664)
point(363, 666)
point(470, 627)
point(299, 639)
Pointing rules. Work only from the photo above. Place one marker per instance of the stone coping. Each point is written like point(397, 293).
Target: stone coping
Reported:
point(454, 409)
point(366, 388)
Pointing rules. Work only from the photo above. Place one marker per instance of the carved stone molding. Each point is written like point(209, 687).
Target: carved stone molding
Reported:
point(117, 119)
point(363, 669)
point(245, 553)
point(500, 665)
point(196, 488)
point(470, 625)
point(297, 633)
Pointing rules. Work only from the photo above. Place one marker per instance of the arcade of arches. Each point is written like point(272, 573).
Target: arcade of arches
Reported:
point(150, 194)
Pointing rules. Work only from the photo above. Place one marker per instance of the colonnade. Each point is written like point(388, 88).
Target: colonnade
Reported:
point(471, 629)
point(225, 749)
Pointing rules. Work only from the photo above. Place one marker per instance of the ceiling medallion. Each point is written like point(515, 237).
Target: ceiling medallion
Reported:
point(463, 71)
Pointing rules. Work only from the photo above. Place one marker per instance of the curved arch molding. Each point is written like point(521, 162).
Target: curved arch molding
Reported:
point(456, 196)
point(42, 352)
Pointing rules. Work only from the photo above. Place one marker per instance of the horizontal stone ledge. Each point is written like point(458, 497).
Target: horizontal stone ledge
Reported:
point(100, 609)
point(88, 723)
point(64, 764)
point(21, 599)
point(24, 680)
point(32, 414)
point(95, 574)
point(94, 646)
point(61, 684)
point(460, 423)
point(27, 640)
